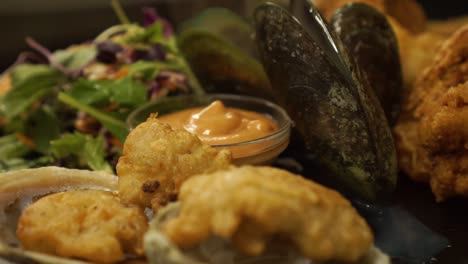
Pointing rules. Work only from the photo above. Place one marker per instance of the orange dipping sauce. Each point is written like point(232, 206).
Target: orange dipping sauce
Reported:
point(217, 124)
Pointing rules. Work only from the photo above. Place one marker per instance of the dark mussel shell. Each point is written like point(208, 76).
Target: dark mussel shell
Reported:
point(340, 120)
point(370, 42)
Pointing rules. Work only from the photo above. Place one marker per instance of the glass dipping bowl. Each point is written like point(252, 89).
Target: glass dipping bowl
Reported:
point(260, 151)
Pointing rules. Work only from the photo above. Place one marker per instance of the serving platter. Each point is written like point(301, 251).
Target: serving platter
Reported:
point(448, 219)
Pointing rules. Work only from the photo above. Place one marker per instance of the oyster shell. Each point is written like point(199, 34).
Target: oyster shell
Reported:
point(332, 105)
point(21, 187)
point(215, 250)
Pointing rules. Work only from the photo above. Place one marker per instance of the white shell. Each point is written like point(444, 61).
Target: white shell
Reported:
point(159, 249)
point(20, 188)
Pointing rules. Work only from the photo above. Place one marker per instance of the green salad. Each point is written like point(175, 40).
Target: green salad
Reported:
point(68, 107)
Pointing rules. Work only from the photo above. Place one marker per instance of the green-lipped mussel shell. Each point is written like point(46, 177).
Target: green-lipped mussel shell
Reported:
point(221, 66)
point(227, 25)
point(341, 121)
point(372, 48)
point(220, 47)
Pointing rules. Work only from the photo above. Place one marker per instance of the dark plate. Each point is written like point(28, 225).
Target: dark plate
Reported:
point(449, 218)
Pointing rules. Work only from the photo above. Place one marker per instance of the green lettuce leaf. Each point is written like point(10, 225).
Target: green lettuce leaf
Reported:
point(145, 70)
point(89, 151)
point(116, 126)
point(30, 83)
point(42, 127)
point(76, 57)
point(124, 91)
point(11, 147)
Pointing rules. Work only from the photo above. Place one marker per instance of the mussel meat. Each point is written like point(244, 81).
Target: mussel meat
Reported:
point(333, 106)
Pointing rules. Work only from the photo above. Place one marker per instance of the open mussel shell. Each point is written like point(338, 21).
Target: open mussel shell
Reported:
point(20, 188)
point(372, 48)
point(340, 120)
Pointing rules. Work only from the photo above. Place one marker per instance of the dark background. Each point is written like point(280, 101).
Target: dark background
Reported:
point(58, 24)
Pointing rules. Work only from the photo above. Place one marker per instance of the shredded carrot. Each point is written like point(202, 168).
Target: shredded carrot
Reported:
point(115, 141)
point(122, 72)
point(27, 141)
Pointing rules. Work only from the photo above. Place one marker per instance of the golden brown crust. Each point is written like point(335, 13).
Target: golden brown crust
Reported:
point(432, 135)
point(157, 159)
point(448, 26)
point(252, 206)
point(91, 225)
point(416, 51)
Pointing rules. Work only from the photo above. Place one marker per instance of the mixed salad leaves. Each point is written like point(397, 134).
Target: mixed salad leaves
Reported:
point(68, 107)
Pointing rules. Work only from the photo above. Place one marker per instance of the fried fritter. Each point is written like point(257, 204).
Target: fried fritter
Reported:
point(408, 13)
point(432, 133)
point(92, 225)
point(416, 51)
point(252, 206)
point(448, 26)
point(157, 159)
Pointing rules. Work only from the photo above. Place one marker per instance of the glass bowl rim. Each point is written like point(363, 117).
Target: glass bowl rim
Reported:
point(284, 126)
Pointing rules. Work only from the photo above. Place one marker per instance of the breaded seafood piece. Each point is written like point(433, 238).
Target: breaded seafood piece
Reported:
point(432, 133)
point(91, 225)
point(157, 159)
point(416, 51)
point(254, 206)
point(408, 13)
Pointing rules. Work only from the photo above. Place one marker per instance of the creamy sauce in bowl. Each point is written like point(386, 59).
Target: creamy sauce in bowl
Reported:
point(217, 124)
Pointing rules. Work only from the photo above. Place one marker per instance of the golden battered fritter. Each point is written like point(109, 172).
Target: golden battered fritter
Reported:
point(254, 205)
point(432, 133)
point(92, 225)
point(157, 159)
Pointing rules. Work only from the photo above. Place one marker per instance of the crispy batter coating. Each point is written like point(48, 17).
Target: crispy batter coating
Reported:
point(447, 26)
point(432, 133)
point(408, 13)
point(254, 205)
point(416, 51)
point(157, 159)
point(92, 225)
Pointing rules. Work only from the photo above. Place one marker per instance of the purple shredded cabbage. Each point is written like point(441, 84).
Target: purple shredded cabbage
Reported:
point(174, 82)
point(107, 52)
point(30, 57)
point(154, 53)
point(153, 89)
point(52, 61)
point(172, 76)
point(151, 16)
